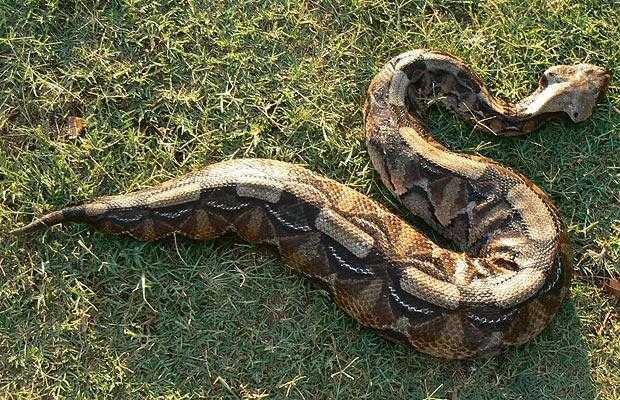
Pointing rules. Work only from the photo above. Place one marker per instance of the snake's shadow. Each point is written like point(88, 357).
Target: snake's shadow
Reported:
point(203, 292)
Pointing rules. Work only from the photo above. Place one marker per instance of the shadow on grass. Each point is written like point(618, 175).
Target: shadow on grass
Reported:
point(353, 363)
point(225, 319)
point(229, 323)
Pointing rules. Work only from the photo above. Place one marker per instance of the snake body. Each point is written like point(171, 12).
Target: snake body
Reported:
point(512, 268)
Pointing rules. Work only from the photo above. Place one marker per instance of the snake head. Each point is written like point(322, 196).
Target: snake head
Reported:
point(571, 89)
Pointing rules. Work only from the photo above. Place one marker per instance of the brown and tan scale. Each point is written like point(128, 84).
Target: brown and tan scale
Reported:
point(501, 289)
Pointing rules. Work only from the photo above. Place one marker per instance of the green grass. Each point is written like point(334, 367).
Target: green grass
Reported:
point(167, 87)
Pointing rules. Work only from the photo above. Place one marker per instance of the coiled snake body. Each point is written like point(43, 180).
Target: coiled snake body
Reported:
point(513, 268)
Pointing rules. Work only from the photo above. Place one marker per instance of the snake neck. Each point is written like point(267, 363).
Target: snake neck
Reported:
point(420, 78)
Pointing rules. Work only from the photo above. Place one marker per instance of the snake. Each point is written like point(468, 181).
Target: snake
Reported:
point(507, 265)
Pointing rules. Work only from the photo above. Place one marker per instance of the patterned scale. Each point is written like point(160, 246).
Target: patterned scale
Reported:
point(500, 289)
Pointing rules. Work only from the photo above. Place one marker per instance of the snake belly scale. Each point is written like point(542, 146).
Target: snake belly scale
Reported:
point(512, 268)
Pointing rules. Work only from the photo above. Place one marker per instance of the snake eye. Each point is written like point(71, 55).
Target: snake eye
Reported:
point(543, 81)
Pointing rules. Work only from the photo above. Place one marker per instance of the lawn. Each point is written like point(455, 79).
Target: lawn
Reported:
point(167, 87)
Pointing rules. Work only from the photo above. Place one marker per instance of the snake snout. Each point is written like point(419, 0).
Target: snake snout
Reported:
point(572, 89)
point(590, 83)
point(602, 77)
